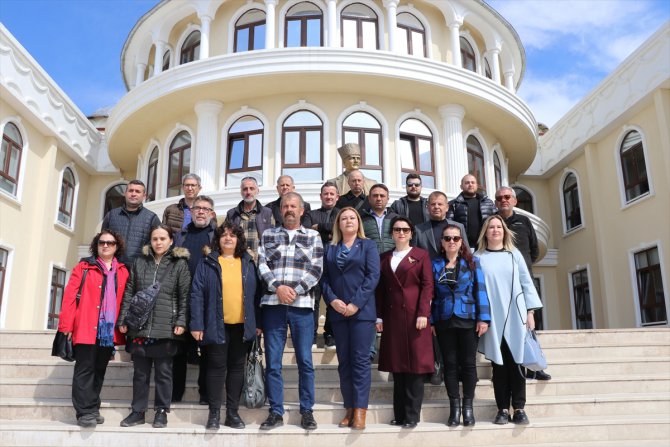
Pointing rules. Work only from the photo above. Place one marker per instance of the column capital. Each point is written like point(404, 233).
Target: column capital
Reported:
point(452, 111)
point(391, 3)
point(270, 2)
point(208, 107)
point(494, 51)
point(205, 18)
point(456, 23)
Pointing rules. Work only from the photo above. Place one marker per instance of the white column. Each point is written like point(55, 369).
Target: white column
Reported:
point(494, 57)
point(159, 48)
point(509, 80)
point(454, 29)
point(456, 158)
point(392, 20)
point(140, 68)
point(204, 36)
point(206, 148)
point(270, 20)
point(333, 37)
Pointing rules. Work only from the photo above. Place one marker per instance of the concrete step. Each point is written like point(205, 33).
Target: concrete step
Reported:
point(565, 431)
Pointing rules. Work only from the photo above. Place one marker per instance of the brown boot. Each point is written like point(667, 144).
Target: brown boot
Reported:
point(359, 418)
point(348, 418)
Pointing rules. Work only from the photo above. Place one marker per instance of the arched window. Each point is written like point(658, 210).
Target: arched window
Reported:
point(250, 31)
point(523, 199)
point(114, 197)
point(304, 26)
point(633, 166)
point(166, 60)
point(497, 170)
point(359, 27)
point(416, 152)
point(363, 129)
point(410, 35)
point(487, 69)
point(302, 146)
point(66, 202)
point(10, 158)
point(190, 50)
point(571, 207)
point(245, 148)
point(180, 162)
point(152, 171)
point(476, 161)
point(468, 55)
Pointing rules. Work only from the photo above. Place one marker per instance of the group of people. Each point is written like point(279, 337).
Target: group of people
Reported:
point(407, 272)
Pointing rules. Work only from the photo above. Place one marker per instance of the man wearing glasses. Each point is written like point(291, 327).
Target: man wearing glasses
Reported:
point(178, 215)
point(412, 206)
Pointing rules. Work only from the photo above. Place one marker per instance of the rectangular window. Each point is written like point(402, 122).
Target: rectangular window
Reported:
point(539, 323)
point(56, 299)
point(651, 294)
point(582, 300)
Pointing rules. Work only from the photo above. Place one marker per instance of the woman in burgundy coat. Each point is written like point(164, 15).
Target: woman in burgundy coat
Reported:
point(403, 308)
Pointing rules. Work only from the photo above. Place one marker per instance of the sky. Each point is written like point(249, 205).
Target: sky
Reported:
point(571, 45)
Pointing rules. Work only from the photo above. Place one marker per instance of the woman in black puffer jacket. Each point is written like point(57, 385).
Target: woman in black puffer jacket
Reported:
point(156, 342)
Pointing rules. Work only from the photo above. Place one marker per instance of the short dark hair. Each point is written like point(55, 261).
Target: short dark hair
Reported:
point(330, 184)
point(380, 185)
point(237, 230)
point(413, 176)
point(137, 182)
point(401, 219)
point(120, 243)
point(162, 227)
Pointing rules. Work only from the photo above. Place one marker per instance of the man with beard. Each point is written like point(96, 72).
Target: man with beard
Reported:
point(249, 214)
point(471, 208)
point(197, 235)
point(412, 206)
point(290, 261)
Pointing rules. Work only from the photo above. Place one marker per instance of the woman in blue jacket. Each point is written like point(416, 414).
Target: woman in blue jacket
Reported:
point(225, 297)
point(460, 315)
point(350, 276)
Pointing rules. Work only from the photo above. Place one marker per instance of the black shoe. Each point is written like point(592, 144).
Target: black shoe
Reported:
point(454, 413)
point(134, 418)
point(520, 418)
point(329, 341)
point(213, 420)
point(409, 425)
point(397, 422)
point(502, 417)
point(541, 375)
point(468, 413)
point(203, 401)
point(87, 420)
point(307, 422)
point(99, 419)
point(160, 420)
point(233, 419)
point(274, 420)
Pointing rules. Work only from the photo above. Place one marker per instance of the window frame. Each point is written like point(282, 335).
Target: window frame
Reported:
point(361, 131)
point(414, 139)
point(4, 164)
point(303, 25)
point(573, 296)
point(408, 34)
point(359, 25)
point(191, 49)
point(4, 273)
point(152, 168)
point(575, 194)
point(497, 171)
point(472, 155)
point(639, 153)
point(473, 57)
point(183, 169)
point(62, 199)
point(656, 245)
point(531, 197)
point(244, 136)
point(105, 198)
point(251, 26)
point(302, 156)
point(52, 312)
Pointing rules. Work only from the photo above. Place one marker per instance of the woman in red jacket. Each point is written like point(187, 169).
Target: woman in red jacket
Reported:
point(101, 278)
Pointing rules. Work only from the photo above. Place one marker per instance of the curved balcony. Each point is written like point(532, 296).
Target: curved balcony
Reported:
point(542, 231)
point(256, 74)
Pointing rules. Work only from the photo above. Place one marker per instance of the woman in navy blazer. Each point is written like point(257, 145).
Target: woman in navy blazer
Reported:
point(350, 276)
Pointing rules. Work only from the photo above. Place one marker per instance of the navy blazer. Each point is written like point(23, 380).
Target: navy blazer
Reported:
point(355, 283)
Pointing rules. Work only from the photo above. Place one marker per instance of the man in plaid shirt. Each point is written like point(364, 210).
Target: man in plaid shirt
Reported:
point(290, 261)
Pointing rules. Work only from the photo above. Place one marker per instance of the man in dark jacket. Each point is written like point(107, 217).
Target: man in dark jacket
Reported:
point(253, 217)
point(285, 185)
point(428, 235)
point(355, 198)
point(412, 206)
point(196, 236)
point(132, 221)
point(178, 215)
point(471, 208)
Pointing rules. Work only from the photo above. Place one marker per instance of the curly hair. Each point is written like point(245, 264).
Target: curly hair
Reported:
point(120, 243)
point(237, 231)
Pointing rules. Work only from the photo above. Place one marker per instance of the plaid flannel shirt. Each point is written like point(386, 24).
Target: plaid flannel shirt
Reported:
point(297, 263)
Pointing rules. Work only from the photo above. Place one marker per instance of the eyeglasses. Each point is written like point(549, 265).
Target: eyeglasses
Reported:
point(110, 243)
point(401, 229)
point(450, 238)
point(413, 185)
point(197, 209)
point(504, 196)
point(190, 185)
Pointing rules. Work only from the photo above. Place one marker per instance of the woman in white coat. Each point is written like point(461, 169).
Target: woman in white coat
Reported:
point(513, 299)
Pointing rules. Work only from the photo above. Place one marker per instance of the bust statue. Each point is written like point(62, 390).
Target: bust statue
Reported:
point(350, 154)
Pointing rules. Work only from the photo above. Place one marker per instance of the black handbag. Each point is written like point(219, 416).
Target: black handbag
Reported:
point(142, 304)
point(62, 345)
point(253, 393)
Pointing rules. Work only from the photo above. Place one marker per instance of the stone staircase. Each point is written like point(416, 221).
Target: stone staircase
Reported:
point(609, 388)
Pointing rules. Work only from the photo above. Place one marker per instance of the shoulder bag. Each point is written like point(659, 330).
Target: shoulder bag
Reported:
point(62, 345)
point(142, 304)
point(253, 393)
point(533, 357)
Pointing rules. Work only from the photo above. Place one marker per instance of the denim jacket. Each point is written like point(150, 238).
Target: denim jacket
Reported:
point(468, 300)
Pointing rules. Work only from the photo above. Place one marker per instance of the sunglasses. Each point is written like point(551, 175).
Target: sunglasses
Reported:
point(401, 229)
point(450, 238)
point(110, 243)
point(504, 196)
point(413, 185)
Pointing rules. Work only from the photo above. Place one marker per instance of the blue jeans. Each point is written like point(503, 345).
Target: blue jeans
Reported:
point(301, 321)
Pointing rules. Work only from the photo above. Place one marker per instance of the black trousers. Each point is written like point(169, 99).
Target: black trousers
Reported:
point(89, 374)
point(327, 327)
point(188, 354)
point(508, 381)
point(225, 368)
point(162, 381)
point(459, 351)
point(407, 396)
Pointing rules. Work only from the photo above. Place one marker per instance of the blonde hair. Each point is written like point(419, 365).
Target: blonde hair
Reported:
point(508, 235)
point(337, 233)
